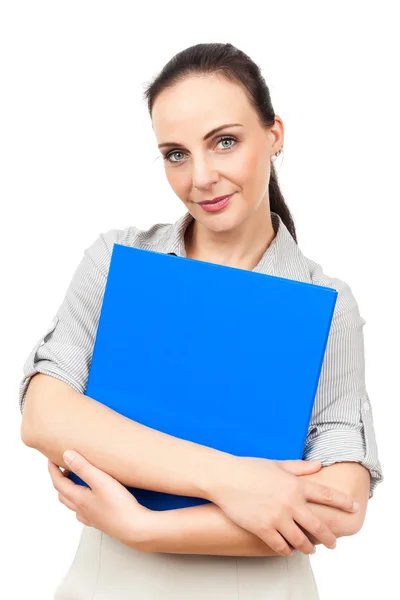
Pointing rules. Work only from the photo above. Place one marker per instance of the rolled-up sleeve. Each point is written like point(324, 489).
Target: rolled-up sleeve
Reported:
point(65, 349)
point(341, 427)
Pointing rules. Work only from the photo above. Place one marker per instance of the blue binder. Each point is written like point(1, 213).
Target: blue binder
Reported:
point(221, 356)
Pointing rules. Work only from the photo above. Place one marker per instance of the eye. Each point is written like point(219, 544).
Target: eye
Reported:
point(168, 156)
point(224, 138)
point(228, 138)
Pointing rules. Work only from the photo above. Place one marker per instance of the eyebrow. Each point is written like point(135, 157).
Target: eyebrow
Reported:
point(209, 134)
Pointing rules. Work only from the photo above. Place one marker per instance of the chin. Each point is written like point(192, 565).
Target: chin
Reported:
point(219, 222)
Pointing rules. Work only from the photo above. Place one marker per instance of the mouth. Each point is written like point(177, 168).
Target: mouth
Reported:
point(215, 200)
point(217, 204)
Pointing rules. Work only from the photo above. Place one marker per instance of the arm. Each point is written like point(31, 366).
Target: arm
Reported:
point(207, 530)
point(57, 414)
point(351, 478)
point(341, 430)
point(139, 456)
point(200, 530)
point(56, 418)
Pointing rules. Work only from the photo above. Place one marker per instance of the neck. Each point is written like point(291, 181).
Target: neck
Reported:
point(242, 247)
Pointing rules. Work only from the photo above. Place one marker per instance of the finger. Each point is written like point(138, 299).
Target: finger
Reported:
point(55, 471)
point(277, 543)
point(90, 474)
point(64, 500)
point(295, 537)
point(322, 494)
point(306, 519)
point(75, 493)
point(300, 467)
point(64, 471)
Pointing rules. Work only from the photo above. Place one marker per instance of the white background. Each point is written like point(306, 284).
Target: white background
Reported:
point(78, 158)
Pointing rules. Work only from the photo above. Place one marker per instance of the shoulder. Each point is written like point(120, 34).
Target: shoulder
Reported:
point(100, 250)
point(346, 309)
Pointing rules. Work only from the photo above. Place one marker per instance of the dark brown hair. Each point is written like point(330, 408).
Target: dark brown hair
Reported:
point(236, 66)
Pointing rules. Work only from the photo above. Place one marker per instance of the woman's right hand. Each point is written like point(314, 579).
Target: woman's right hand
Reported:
point(267, 498)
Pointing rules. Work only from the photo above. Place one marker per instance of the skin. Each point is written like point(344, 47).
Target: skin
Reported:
point(238, 236)
point(202, 170)
point(109, 507)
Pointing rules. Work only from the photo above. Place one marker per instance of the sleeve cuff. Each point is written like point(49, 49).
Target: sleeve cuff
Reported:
point(47, 368)
point(345, 445)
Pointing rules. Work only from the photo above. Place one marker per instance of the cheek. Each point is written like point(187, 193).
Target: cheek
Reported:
point(173, 179)
point(250, 169)
point(179, 181)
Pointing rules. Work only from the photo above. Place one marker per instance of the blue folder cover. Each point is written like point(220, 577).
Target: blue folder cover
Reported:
point(221, 356)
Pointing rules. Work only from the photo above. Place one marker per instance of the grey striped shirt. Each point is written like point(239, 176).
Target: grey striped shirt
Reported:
point(341, 427)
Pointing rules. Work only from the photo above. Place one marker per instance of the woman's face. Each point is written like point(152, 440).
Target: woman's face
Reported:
point(236, 159)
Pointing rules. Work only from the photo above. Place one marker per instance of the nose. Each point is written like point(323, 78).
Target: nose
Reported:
point(203, 174)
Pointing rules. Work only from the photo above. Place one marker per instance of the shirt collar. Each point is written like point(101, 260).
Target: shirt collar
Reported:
point(282, 258)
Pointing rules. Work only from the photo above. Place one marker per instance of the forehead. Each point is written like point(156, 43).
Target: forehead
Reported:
point(203, 101)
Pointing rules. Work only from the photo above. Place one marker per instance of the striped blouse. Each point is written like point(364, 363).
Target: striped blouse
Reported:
point(341, 426)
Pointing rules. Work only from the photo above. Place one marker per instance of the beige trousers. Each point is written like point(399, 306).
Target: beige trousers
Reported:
point(104, 569)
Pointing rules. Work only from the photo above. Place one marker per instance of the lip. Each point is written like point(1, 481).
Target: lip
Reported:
point(215, 199)
point(215, 207)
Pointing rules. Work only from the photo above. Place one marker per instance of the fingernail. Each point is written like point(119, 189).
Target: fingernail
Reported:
point(314, 551)
point(356, 506)
point(68, 456)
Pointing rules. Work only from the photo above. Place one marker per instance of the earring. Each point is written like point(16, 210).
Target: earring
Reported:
point(279, 151)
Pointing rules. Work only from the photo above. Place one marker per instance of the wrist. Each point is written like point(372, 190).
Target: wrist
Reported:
point(161, 531)
point(143, 532)
point(217, 469)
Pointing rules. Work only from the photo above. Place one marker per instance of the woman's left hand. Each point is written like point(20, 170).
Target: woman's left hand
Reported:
point(106, 505)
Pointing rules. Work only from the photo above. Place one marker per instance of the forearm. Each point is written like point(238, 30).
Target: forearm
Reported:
point(57, 418)
point(207, 530)
point(201, 529)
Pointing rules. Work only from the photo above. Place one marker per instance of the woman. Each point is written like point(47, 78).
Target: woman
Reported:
point(214, 122)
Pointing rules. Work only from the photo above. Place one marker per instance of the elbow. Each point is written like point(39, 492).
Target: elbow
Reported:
point(347, 524)
point(29, 435)
point(26, 436)
point(44, 422)
point(34, 411)
point(353, 527)
point(46, 444)
point(351, 524)
point(26, 430)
